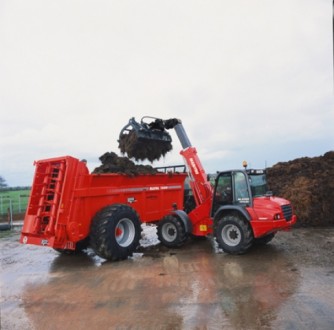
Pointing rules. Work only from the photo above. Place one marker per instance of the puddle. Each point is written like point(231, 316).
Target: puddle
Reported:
point(279, 286)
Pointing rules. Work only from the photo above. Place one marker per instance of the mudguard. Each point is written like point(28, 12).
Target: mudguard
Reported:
point(183, 216)
point(236, 208)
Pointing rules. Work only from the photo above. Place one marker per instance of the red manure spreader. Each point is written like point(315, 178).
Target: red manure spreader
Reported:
point(70, 209)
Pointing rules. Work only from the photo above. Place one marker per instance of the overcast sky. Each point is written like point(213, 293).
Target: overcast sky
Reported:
point(250, 79)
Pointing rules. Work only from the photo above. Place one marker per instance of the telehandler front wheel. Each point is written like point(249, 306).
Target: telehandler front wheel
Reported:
point(171, 232)
point(115, 232)
point(233, 234)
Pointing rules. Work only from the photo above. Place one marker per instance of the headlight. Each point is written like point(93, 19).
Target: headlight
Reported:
point(277, 216)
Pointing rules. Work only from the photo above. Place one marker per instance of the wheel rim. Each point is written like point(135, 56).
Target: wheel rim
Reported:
point(169, 232)
point(125, 232)
point(231, 235)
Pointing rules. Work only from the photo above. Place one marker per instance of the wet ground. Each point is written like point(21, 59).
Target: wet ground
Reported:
point(288, 284)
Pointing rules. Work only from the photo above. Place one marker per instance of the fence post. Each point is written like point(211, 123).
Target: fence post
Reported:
point(10, 214)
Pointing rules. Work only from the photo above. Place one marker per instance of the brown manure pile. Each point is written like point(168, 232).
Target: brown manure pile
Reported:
point(111, 163)
point(309, 184)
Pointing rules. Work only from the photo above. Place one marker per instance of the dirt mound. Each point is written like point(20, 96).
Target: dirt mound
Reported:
point(309, 184)
point(111, 163)
point(141, 148)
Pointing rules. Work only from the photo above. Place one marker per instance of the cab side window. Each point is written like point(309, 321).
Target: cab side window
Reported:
point(224, 194)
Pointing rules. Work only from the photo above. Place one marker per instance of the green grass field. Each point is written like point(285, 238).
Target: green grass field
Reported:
point(17, 199)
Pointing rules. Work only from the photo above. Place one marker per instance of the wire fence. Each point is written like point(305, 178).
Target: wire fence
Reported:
point(13, 203)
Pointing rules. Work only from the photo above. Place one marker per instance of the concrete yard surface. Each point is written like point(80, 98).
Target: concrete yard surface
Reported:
point(287, 284)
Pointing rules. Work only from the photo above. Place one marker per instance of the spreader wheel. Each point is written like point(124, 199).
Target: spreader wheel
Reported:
point(115, 232)
point(233, 234)
point(171, 232)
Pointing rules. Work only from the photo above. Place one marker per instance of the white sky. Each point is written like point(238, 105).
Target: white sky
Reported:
point(249, 79)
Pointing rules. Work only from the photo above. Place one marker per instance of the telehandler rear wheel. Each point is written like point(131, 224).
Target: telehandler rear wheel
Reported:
point(233, 234)
point(171, 232)
point(115, 232)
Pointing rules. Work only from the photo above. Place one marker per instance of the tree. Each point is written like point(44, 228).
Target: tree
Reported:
point(3, 183)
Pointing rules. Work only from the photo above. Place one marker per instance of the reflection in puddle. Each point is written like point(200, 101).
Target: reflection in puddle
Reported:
point(69, 263)
point(189, 288)
point(242, 293)
point(186, 288)
point(182, 289)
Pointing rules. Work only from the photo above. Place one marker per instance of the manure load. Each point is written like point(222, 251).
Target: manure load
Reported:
point(145, 141)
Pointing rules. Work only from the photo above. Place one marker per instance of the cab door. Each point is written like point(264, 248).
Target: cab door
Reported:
point(231, 189)
point(242, 194)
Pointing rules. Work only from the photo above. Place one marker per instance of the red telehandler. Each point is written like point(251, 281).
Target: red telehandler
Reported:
point(70, 208)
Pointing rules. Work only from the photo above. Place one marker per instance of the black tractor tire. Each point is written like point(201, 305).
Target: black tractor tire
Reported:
point(171, 232)
point(233, 234)
point(265, 239)
point(115, 232)
point(79, 247)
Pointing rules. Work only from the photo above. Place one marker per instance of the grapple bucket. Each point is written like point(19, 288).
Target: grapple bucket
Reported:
point(145, 141)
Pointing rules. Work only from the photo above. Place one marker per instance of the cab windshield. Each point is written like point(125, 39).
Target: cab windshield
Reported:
point(258, 184)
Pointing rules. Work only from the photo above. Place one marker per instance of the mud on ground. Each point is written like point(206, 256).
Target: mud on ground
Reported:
point(288, 284)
